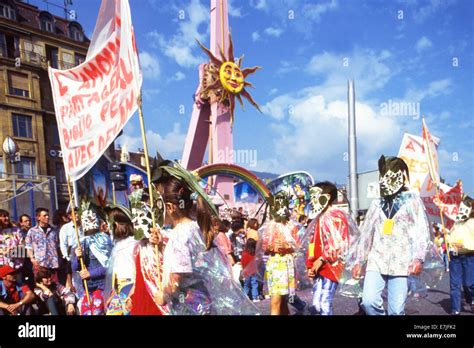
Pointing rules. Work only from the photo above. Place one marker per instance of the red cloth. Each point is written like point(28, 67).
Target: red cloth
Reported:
point(248, 265)
point(142, 302)
point(327, 270)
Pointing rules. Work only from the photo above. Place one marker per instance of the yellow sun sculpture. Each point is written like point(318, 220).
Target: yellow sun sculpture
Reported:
point(224, 80)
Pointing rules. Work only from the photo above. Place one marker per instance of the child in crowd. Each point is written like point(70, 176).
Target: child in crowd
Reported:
point(249, 269)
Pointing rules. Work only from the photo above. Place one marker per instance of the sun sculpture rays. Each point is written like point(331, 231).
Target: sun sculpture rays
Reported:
point(224, 80)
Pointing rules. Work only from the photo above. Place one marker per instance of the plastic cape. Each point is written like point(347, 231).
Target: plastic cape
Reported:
point(331, 235)
point(101, 246)
point(374, 249)
point(121, 266)
point(269, 233)
point(210, 288)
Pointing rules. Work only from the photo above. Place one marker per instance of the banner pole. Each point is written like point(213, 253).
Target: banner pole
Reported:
point(148, 173)
point(442, 223)
point(81, 259)
point(113, 194)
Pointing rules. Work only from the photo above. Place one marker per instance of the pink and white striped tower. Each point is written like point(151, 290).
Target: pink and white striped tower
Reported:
point(212, 123)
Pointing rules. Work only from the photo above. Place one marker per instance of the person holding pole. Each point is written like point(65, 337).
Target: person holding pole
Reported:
point(95, 250)
point(461, 250)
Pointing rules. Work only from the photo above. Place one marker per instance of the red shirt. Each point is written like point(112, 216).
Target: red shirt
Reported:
point(14, 294)
point(331, 224)
point(248, 265)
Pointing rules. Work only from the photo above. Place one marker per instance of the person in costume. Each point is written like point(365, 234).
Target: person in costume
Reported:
point(329, 246)
point(278, 242)
point(394, 240)
point(121, 270)
point(460, 242)
point(95, 249)
point(197, 279)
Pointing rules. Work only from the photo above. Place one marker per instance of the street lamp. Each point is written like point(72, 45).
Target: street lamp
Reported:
point(11, 150)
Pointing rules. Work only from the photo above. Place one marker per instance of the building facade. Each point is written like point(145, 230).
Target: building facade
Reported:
point(30, 40)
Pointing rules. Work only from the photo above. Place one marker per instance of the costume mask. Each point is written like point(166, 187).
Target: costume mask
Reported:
point(319, 201)
point(464, 212)
point(392, 174)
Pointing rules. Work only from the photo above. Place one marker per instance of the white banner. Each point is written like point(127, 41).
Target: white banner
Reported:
point(413, 153)
point(95, 100)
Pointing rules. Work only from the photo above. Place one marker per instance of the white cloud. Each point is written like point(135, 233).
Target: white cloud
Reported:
point(169, 145)
point(275, 32)
point(180, 46)
point(233, 11)
point(258, 4)
point(434, 89)
point(315, 137)
point(255, 36)
point(369, 68)
point(178, 76)
point(421, 11)
point(315, 11)
point(150, 65)
point(423, 44)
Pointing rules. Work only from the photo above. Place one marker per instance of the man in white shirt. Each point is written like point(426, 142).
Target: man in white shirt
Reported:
point(68, 242)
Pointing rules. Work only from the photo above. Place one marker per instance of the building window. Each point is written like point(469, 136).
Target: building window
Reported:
point(7, 11)
point(9, 45)
point(2, 168)
point(60, 173)
point(75, 32)
point(46, 22)
point(22, 126)
point(18, 84)
point(79, 59)
point(55, 135)
point(52, 56)
point(26, 168)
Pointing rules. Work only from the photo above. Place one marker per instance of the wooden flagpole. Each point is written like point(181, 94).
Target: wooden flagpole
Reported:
point(81, 259)
point(431, 169)
point(148, 173)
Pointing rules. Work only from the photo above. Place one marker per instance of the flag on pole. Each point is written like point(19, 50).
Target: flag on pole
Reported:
point(449, 199)
point(93, 101)
point(431, 154)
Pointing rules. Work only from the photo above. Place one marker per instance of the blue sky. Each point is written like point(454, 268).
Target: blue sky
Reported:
point(401, 51)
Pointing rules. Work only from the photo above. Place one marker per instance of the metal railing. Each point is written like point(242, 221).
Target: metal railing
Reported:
point(34, 58)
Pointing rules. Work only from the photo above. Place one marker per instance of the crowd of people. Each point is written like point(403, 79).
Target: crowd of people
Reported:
point(92, 261)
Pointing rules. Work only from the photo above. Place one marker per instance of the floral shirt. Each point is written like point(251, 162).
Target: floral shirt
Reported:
point(408, 238)
point(44, 245)
point(10, 249)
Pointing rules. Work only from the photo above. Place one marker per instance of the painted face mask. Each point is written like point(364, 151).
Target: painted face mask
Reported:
point(392, 174)
point(280, 207)
point(89, 220)
point(391, 182)
point(464, 212)
point(319, 201)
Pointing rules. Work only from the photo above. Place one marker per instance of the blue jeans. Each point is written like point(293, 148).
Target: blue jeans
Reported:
point(251, 283)
point(323, 295)
point(461, 272)
point(374, 284)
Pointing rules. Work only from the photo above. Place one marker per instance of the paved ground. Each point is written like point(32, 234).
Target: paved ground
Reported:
point(437, 302)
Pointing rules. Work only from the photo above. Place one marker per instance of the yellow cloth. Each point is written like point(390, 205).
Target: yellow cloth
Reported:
point(463, 233)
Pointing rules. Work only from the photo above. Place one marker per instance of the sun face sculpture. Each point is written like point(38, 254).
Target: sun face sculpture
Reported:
point(224, 80)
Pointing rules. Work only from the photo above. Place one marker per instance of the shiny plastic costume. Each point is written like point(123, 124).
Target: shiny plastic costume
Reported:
point(120, 275)
point(206, 285)
point(390, 251)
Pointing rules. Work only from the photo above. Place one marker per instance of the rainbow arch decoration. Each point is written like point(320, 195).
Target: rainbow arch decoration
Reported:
point(236, 172)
